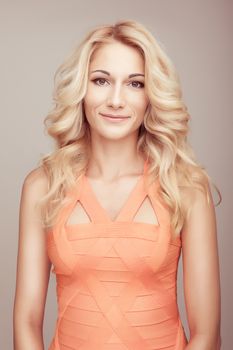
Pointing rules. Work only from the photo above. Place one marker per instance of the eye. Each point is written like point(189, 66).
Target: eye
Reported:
point(100, 80)
point(137, 84)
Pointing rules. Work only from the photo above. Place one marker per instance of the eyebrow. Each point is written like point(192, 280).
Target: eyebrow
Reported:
point(107, 73)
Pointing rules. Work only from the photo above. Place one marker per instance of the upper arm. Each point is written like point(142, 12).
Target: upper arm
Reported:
point(201, 265)
point(33, 265)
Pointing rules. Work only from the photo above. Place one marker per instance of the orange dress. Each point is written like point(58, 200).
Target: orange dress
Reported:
point(116, 280)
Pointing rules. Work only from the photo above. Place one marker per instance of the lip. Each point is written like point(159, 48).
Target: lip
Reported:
point(114, 116)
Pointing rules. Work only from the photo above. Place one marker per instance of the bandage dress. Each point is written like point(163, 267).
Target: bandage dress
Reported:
point(115, 279)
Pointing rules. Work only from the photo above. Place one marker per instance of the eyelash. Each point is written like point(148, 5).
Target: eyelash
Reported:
point(134, 81)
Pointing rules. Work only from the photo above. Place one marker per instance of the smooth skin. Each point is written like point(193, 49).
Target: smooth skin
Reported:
point(114, 164)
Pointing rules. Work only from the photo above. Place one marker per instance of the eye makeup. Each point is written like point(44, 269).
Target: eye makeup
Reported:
point(141, 84)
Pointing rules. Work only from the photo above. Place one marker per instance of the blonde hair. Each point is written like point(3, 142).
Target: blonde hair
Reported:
point(162, 137)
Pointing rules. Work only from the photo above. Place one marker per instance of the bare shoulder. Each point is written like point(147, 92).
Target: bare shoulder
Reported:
point(36, 182)
point(194, 196)
point(34, 188)
point(199, 212)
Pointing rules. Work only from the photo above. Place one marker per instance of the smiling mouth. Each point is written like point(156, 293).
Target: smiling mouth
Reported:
point(112, 116)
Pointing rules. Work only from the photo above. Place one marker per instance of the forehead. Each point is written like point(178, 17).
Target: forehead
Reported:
point(117, 56)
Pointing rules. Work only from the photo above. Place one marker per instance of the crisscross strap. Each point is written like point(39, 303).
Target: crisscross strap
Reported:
point(98, 214)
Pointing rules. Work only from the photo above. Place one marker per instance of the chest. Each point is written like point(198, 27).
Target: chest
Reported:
point(112, 199)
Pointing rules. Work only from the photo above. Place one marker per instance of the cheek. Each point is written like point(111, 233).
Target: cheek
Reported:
point(139, 102)
point(92, 103)
point(94, 96)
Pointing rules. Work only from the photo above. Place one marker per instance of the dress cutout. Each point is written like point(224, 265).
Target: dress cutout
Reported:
point(116, 279)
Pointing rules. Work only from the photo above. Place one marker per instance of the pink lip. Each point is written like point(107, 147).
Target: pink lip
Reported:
point(114, 116)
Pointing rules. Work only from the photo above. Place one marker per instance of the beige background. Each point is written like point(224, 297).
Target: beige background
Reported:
point(36, 36)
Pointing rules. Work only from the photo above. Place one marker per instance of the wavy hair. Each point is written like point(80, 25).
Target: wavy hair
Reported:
point(162, 135)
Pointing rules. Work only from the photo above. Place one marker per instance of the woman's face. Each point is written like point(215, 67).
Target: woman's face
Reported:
point(115, 87)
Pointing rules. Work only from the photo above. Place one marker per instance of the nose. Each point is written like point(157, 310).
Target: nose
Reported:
point(115, 97)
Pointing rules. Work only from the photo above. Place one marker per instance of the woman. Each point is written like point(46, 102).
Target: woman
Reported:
point(113, 205)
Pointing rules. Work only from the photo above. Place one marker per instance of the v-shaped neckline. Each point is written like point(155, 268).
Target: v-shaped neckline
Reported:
point(134, 194)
